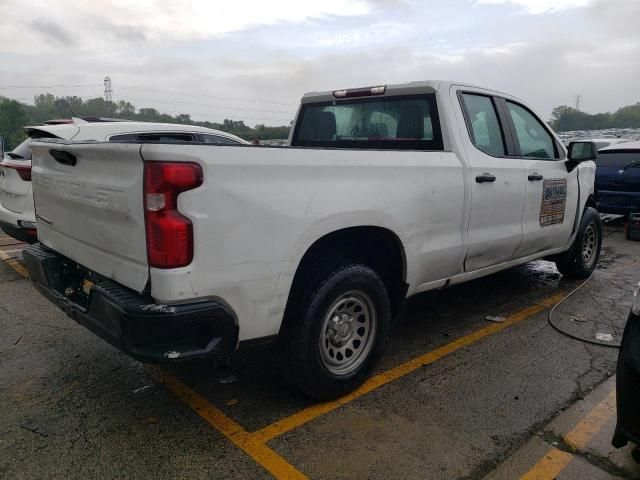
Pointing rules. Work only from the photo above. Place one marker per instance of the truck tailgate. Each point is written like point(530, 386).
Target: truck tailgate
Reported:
point(89, 206)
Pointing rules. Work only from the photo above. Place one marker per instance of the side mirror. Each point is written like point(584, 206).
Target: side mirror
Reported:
point(582, 151)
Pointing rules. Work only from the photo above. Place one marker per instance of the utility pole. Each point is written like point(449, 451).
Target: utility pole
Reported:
point(108, 91)
point(578, 99)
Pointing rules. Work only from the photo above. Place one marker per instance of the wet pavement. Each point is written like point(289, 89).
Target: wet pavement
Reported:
point(454, 396)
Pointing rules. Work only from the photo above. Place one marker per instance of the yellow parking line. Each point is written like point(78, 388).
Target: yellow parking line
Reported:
point(555, 461)
point(289, 423)
point(13, 263)
point(254, 444)
point(590, 425)
point(270, 460)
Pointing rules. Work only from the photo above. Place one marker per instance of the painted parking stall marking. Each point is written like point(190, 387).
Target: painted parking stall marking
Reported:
point(255, 445)
point(555, 460)
point(10, 252)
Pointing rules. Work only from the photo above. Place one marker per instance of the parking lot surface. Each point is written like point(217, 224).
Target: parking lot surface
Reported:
point(454, 396)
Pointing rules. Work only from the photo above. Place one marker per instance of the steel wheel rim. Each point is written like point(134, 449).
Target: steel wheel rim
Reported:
point(589, 244)
point(348, 332)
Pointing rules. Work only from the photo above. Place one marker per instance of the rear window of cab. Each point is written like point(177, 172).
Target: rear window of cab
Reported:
point(398, 123)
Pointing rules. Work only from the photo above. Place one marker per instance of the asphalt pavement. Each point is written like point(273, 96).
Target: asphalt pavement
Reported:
point(454, 396)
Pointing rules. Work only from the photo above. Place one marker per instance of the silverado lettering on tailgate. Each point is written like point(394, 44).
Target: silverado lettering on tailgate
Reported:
point(99, 196)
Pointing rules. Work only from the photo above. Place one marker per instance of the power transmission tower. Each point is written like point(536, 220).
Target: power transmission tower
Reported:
point(108, 91)
point(578, 99)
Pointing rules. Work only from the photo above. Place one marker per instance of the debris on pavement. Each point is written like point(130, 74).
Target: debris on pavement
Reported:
point(496, 319)
point(141, 389)
point(228, 379)
point(604, 337)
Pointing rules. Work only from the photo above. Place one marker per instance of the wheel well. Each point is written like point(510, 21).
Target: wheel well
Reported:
point(377, 247)
point(591, 202)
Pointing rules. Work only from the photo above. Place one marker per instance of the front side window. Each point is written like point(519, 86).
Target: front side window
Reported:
point(405, 122)
point(535, 141)
point(484, 127)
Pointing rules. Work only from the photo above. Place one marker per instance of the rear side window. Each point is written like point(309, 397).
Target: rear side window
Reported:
point(218, 140)
point(483, 124)
point(162, 137)
point(535, 141)
point(397, 123)
point(21, 152)
point(618, 158)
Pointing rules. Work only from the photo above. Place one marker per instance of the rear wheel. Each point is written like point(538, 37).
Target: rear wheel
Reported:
point(581, 260)
point(335, 331)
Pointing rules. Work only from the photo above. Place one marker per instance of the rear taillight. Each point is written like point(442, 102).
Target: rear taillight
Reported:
point(25, 173)
point(23, 170)
point(169, 233)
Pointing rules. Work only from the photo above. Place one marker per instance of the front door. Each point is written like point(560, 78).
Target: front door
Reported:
point(551, 193)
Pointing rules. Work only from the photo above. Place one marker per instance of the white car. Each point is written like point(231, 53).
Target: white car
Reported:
point(184, 251)
point(17, 215)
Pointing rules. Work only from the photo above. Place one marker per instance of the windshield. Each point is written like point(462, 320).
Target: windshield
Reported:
point(618, 158)
point(407, 122)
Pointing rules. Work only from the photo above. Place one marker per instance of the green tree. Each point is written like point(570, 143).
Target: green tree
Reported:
point(13, 118)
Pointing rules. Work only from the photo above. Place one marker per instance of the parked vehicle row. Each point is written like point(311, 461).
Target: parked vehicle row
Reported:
point(177, 250)
point(618, 179)
point(17, 214)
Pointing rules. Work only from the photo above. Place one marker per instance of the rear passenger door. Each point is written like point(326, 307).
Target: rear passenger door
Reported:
point(551, 192)
point(497, 183)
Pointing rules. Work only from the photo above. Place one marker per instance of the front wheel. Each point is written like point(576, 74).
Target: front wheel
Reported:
point(336, 330)
point(581, 260)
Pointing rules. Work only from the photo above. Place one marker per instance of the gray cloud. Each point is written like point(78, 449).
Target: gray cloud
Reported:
point(52, 32)
point(546, 59)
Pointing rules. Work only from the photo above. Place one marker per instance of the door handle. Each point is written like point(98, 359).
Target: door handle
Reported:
point(535, 177)
point(485, 177)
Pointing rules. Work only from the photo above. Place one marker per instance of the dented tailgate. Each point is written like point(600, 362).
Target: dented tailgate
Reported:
point(89, 206)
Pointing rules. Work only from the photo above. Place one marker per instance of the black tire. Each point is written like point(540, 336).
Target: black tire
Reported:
point(304, 362)
point(576, 263)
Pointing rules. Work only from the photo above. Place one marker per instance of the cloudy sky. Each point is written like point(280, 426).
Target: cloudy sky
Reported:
point(252, 60)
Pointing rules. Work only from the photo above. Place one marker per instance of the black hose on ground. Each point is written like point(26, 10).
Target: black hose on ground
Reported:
point(571, 335)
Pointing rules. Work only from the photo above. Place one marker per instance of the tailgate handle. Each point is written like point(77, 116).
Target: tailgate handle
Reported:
point(63, 157)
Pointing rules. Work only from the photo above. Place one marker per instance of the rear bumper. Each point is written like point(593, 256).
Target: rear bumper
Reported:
point(28, 235)
point(628, 385)
point(129, 321)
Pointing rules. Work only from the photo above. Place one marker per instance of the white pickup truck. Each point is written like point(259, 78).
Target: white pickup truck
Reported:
point(178, 251)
